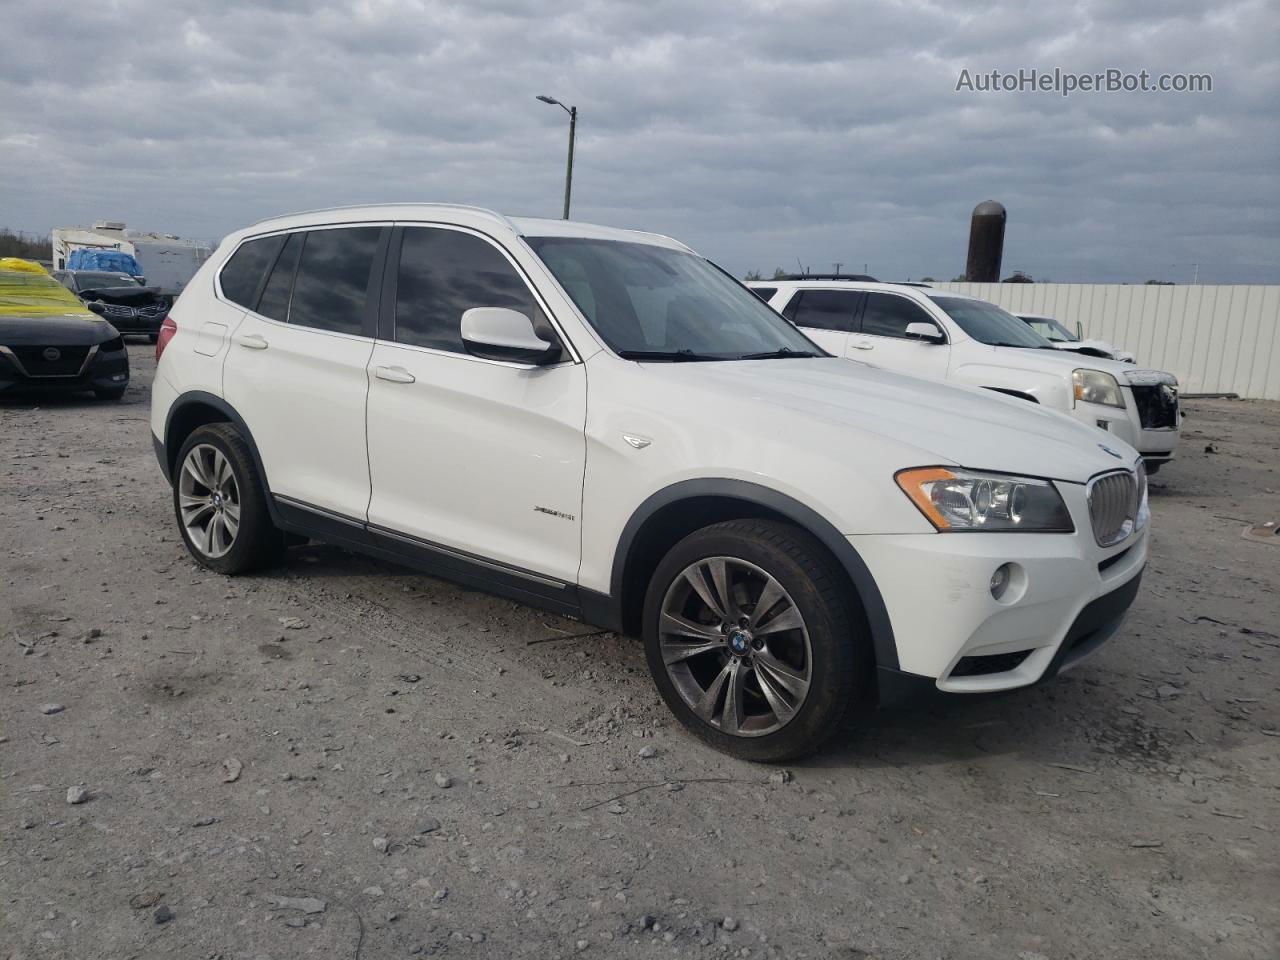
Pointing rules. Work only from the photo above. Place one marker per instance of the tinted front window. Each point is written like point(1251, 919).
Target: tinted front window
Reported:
point(331, 287)
point(658, 303)
point(988, 324)
point(242, 275)
point(887, 315)
point(825, 309)
point(275, 295)
point(443, 274)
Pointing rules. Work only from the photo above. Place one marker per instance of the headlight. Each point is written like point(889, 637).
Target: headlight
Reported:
point(1094, 386)
point(960, 501)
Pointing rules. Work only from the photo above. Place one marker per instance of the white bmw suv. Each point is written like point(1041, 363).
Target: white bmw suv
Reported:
point(938, 335)
point(605, 424)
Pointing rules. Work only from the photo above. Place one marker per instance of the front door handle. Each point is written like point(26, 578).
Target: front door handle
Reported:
point(394, 374)
point(253, 341)
point(863, 345)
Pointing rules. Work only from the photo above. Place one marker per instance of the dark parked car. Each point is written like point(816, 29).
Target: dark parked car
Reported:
point(129, 305)
point(50, 342)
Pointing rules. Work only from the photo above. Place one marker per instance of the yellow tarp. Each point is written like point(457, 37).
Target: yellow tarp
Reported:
point(27, 290)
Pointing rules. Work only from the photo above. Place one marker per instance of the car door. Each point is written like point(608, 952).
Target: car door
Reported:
point(881, 337)
point(826, 316)
point(296, 370)
point(483, 458)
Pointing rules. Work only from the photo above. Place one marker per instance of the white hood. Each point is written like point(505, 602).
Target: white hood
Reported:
point(828, 401)
point(1102, 346)
point(1062, 362)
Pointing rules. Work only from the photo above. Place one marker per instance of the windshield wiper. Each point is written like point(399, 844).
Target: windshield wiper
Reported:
point(670, 356)
point(782, 353)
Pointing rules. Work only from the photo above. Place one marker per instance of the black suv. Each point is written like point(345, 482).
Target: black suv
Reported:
point(131, 307)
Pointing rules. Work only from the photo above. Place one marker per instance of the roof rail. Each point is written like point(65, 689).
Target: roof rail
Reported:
point(407, 203)
point(827, 276)
point(911, 283)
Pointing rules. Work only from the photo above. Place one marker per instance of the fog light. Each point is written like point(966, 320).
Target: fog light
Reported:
point(117, 376)
point(1000, 580)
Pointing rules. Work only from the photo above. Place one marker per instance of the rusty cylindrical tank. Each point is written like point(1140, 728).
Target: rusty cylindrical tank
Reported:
point(986, 243)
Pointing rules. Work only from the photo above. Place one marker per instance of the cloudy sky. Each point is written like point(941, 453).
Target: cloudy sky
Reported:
point(763, 134)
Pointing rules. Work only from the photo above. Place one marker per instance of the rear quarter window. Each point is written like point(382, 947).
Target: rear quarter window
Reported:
point(241, 276)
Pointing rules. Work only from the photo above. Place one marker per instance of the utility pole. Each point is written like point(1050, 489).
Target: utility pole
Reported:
point(837, 266)
point(568, 173)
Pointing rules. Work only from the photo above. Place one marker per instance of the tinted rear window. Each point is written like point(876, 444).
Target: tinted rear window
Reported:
point(275, 295)
point(242, 275)
point(332, 283)
point(824, 309)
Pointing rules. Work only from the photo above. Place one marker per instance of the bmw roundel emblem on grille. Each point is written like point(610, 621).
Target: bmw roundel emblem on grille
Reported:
point(1105, 449)
point(51, 354)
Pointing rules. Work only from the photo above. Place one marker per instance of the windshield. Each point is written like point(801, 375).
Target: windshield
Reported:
point(987, 323)
point(1050, 329)
point(654, 303)
point(92, 280)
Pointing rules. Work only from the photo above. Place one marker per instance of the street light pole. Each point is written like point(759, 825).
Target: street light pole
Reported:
point(568, 173)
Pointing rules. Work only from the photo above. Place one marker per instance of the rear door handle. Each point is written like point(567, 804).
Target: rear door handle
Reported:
point(394, 374)
point(253, 341)
point(863, 345)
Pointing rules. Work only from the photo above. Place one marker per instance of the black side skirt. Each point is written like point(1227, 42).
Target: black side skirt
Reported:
point(565, 599)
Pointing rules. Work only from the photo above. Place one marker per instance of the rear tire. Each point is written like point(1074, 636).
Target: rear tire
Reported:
point(782, 641)
point(220, 503)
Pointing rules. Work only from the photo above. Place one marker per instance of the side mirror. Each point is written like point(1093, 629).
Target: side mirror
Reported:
point(928, 332)
point(499, 333)
point(96, 306)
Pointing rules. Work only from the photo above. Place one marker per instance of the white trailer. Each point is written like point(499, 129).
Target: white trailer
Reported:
point(167, 261)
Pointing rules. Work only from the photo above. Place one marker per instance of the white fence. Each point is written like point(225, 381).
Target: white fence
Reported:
point(1215, 339)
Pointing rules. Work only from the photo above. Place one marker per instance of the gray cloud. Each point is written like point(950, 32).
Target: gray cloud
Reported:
point(761, 133)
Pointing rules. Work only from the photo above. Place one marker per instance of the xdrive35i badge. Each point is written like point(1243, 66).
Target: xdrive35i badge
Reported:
point(555, 513)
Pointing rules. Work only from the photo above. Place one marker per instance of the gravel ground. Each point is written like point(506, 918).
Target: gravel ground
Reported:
point(346, 759)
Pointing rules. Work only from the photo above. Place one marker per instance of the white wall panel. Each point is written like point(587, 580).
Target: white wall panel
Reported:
point(1215, 339)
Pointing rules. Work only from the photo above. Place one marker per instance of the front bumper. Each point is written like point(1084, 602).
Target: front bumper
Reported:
point(1067, 596)
point(105, 370)
point(132, 321)
point(1158, 443)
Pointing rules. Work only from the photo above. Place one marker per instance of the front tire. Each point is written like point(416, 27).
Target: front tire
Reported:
point(749, 637)
point(110, 394)
point(220, 502)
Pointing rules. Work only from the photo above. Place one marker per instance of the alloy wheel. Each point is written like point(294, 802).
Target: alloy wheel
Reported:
point(735, 646)
point(209, 500)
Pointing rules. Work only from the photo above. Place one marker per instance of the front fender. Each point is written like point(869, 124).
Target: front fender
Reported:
point(886, 650)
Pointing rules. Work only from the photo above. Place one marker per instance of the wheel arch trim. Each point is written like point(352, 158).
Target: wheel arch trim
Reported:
point(167, 451)
point(883, 643)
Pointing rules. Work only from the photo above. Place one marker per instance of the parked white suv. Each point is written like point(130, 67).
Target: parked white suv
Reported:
point(930, 333)
point(604, 424)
